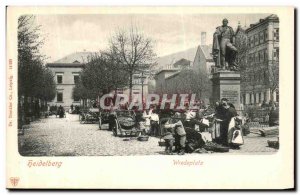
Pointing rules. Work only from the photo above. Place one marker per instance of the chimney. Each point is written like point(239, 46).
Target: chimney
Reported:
point(203, 38)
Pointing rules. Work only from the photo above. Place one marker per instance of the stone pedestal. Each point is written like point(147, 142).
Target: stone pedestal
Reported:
point(226, 84)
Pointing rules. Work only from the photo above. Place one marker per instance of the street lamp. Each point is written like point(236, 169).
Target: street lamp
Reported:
point(143, 79)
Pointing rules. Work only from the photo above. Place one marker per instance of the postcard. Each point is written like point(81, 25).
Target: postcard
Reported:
point(150, 98)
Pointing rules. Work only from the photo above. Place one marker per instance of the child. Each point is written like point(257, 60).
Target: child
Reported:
point(179, 133)
point(169, 140)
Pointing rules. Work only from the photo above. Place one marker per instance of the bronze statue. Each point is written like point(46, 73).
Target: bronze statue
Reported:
point(224, 51)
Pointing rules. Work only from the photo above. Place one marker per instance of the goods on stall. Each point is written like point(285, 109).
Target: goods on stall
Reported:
point(143, 138)
point(273, 144)
point(270, 131)
point(161, 143)
point(211, 146)
point(125, 124)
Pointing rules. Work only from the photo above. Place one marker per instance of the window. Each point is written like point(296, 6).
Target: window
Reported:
point(276, 54)
point(250, 98)
point(266, 35)
point(259, 97)
point(76, 79)
point(254, 97)
point(259, 56)
point(265, 77)
point(277, 95)
point(262, 56)
point(59, 97)
point(249, 42)
point(276, 34)
point(261, 37)
point(256, 57)
point(59, 79)
point(244, 98)
point(265, 96)
point(266, 55)
point(252, 41)
point(256, 39)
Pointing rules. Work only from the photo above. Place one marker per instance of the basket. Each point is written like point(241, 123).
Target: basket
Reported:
point(161, 143)
point(210, 146)
point(143, 138)
point(273, 144)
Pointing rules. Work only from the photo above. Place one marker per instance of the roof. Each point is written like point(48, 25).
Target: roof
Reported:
point(240, 29)
point(164, 61)
point(167, 70)
point(271, 17)
point(173, 75)
point(183, 62)
point(207, 49)
point(76, 57)
point(63, 65)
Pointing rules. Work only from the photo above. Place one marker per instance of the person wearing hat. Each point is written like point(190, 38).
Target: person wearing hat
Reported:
point(223, 46)
point(228, 113)
point(179, 133)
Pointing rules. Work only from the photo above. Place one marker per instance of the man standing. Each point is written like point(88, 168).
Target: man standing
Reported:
point(223, 47)
point(112, 121)
point(154, 121)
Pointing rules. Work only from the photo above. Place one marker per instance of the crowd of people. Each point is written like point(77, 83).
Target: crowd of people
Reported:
point(176, 127)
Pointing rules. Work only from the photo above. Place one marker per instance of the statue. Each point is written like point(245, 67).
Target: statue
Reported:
point(224, 51)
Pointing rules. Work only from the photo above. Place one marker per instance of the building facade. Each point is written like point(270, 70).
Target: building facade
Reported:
point(67, 71)
point(161, 76)
point(199, 59)
point(203, 61)
point(66, 76)
point(260, 64)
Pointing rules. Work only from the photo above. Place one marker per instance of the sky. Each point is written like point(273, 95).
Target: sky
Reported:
point(66, 34)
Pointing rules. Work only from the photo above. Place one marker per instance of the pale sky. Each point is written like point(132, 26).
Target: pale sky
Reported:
point(66, 34)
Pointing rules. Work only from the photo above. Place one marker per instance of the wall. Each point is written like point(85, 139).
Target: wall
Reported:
point(67, 86)
point(255, 78)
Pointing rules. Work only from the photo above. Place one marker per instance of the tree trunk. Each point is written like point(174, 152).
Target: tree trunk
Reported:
point(130, 86)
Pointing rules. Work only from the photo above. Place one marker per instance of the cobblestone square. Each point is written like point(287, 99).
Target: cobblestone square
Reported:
point(67, 137)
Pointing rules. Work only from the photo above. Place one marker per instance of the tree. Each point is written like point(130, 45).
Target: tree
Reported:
point(35, 81)
point(274, 78)
point(241, 43)
point(101, 75)
point(133, 50)
point(187, 82)
point(81, 92)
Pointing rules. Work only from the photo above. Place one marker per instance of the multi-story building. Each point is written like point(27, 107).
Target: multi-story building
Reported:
point(160, 79)
point(66, 72)
point(198, 59)
point(260, 63)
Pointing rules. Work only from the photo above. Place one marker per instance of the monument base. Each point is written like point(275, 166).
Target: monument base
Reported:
point(226, 84)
